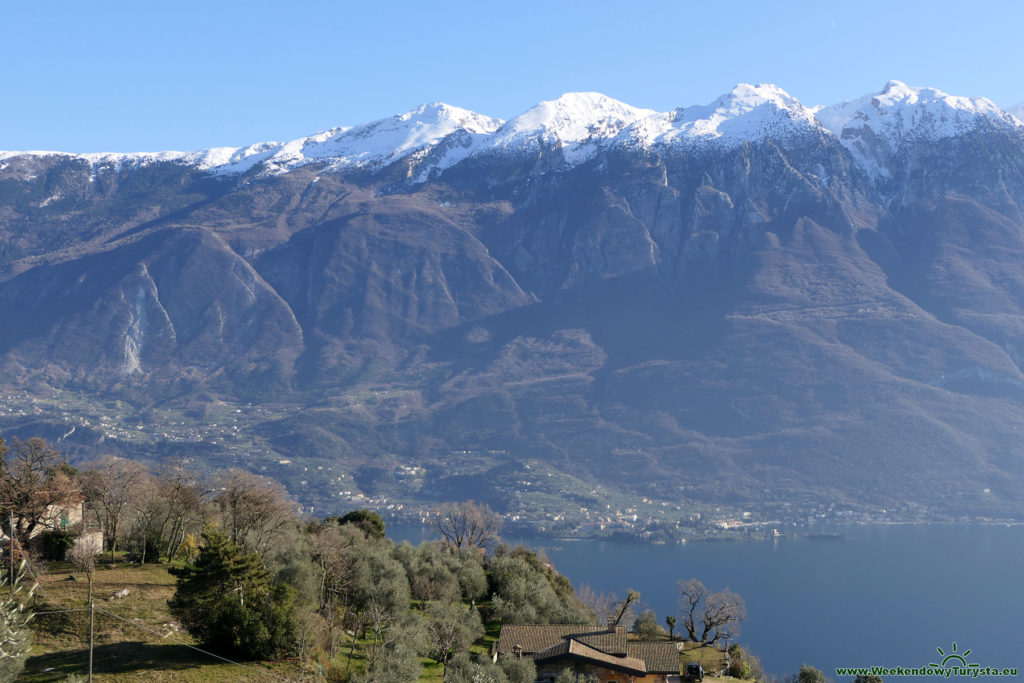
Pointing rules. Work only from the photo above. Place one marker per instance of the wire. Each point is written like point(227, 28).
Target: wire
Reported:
point(60, 611)
point(192, 647)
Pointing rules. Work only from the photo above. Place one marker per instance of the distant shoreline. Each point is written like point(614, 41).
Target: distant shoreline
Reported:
point(834, 533)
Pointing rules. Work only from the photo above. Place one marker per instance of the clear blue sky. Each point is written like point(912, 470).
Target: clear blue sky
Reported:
point(145, 76)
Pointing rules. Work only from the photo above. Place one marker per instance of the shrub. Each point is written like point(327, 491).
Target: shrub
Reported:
point(56, 544)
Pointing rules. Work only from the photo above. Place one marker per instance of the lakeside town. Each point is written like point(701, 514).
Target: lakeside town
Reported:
point(540, 501)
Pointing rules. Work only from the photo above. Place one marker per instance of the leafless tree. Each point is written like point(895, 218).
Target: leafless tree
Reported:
point(109, 485)
point(709, 617)
point(169, 506)
point(468, 524)
point(601, 604)
point(34, 477)
point(84, 555)
point(623, 610)
point(255, 511)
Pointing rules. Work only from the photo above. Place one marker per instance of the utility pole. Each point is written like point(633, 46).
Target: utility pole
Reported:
point(90, 566)
point(92, 614)
point(10, 530)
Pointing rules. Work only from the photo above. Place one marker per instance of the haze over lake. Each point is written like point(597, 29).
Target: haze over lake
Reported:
point(881, 595)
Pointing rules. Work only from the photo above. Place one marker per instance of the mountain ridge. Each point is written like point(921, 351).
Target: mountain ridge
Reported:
point(580, 120)
point(759, 324)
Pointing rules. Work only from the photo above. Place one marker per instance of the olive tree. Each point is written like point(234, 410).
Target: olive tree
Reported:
point(808, 674)
point(452, 628)
point(15, 634)
point(646, 625)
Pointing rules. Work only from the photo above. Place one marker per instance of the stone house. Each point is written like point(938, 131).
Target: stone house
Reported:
point(606, 653)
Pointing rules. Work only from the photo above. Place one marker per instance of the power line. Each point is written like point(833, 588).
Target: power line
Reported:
point(163, 636)
point(192, 647)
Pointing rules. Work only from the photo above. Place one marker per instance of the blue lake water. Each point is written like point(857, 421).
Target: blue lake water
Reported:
point(881, 595)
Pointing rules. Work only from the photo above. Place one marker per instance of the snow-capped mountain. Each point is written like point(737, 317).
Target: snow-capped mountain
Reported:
point(575, 122)
point(900, 112)
point(877, 125)
point(372, 144)
point(748, 298)
point(748, 113)
point(441, 136)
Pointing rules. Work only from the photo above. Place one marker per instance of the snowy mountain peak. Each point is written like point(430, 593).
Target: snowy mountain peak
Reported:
point(379, 142)
point(576, 126)
point(576, 123)
point(447, 117)
point(747, 110)
point(897, 92)
point(575, 117)
point(745, 113)
point(875, 126)
point(746, 97)
point(900, 112)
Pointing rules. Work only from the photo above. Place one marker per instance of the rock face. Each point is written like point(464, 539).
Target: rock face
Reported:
point(751, 301)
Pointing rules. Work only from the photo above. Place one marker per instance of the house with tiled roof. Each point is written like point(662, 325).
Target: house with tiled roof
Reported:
point(606, 653)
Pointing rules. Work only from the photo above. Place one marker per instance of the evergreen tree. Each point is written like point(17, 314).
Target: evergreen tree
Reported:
point(367, 520)
point(227, 601)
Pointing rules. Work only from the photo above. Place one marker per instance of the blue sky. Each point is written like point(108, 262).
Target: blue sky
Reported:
point(142, 76)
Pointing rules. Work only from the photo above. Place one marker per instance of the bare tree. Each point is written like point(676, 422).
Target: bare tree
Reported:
point(468, 524)
point(601, 604)
point(708, 617)
point(623, 611)
point(109, 485)
point(182, 495)
point(255, 511)
point(34, 480)
point(168, 507)
point(84, 555)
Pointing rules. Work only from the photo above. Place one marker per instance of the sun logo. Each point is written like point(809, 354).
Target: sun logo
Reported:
point(954, 657)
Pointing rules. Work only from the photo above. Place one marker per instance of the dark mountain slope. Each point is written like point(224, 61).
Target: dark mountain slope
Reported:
point(764, 324)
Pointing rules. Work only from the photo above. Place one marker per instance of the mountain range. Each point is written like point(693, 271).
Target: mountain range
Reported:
point(751, 303)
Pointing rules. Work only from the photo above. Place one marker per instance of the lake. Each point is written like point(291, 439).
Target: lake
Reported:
point(878, 596)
